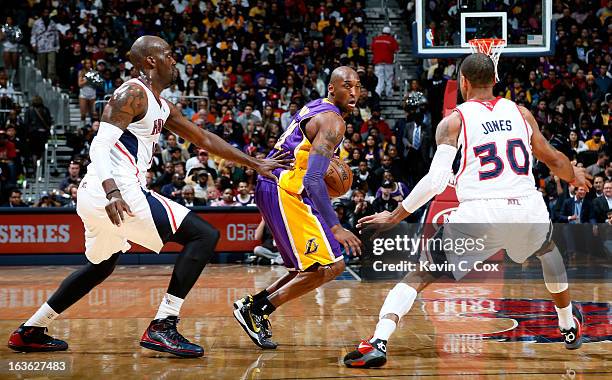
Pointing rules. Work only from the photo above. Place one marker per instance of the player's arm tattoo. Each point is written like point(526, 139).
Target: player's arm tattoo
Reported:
point(326, 147)
point(128, 102)
point(448, 129)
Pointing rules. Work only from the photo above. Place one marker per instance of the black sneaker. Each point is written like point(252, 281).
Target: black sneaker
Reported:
point(161, 335)
point(248, 299)
point(254, 325)
point(34, 339)
point(367, 355)
point(573, 336)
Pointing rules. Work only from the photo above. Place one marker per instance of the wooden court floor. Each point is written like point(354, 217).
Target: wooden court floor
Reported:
point(455, 331)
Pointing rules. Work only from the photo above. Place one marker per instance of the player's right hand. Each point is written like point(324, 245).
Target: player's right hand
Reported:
point(277, 160)
point(115, 209)
point(345, 237)
point(581, 178)
point(376, 224)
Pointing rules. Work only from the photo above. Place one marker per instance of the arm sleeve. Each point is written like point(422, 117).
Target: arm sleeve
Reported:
point(315, 187)
point(99, 152)
point(440, 173)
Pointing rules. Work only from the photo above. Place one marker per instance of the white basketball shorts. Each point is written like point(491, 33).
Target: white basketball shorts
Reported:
point(521, 226)
point(156, 219)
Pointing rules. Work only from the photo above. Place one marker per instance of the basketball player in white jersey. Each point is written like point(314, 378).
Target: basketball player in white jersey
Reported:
point(116, 207)
point(494, 186)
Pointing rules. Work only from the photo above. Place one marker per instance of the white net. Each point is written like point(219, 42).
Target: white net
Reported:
point(491, 47)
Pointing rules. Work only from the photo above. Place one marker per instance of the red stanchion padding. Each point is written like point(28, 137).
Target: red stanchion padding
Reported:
point(450, 97)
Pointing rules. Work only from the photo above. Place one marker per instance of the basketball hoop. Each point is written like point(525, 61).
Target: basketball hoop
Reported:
point(489, 46)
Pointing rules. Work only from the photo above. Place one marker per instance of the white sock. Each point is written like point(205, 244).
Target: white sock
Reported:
point(170, 306)
point(566, 319)
point(43, 317)
point(384, 329)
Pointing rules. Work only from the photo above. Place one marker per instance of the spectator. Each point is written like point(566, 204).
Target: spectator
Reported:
point(287, 116)
point(384, 48)
point(150, 181)
point(72, 191)
point(45, 42)
point(576, 145)
point(48, 200)
point(172, 144)
point(87, 93)
point(598, 184)
point(372, 153)
point(10, 54)
point(603, 205)
point(171, 94)
point(247, 116)
point(73, 177)
point(244, 198)
point(38, 121)
point(173, 189)
point(227, 199)
point(384, 201)
point(358, 208)
point(204, 160)
point(201, 187)
point(340, 210)
point(398, 190)
point(596, 143)
point(287, 92)
point(577, 209)
point(188, 198)
point(599, 166)
point(268, 248)
point(208, 87)
point(8, 154)
point(417, 142)
point(15, 199)
point(377, 122)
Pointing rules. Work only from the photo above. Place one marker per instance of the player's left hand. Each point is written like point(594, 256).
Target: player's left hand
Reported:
point(277, 160)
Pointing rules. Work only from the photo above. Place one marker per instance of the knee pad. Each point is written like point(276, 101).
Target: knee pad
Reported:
point(553, 269)
point(398, 301)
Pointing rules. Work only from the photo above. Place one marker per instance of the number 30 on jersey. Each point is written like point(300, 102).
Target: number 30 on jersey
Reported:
point(488, 155)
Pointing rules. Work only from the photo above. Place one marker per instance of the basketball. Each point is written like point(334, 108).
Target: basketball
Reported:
point(338, 178)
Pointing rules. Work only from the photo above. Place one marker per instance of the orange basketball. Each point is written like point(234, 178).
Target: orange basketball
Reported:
point(338, 178)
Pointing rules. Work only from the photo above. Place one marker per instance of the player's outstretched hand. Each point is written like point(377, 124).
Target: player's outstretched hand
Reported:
point(345, 237)
point(277, 160)
point(116, 208)
point(376, 224)
point(581, 178)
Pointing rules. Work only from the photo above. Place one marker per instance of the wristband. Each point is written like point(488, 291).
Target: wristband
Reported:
point(110, 192)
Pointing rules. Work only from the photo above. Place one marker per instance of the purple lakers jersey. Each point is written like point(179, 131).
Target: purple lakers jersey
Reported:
point(295, 142)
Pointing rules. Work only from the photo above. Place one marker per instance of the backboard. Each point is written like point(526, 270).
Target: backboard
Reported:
point(443, 27)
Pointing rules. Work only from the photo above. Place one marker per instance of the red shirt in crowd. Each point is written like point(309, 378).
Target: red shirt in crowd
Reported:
point(383, 49)
point(549, 84)
point(380, 124)
point(7, 151)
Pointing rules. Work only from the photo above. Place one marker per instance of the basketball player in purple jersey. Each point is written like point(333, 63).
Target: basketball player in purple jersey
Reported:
point(298, 210)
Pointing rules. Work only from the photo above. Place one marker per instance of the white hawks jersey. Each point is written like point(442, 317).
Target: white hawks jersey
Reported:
point(132, 155)
point(496, 158)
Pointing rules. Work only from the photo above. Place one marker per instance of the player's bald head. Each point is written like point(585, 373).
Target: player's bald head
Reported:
point(146, 46)
point(342, 74)
point(479, 70)
point(344, 88)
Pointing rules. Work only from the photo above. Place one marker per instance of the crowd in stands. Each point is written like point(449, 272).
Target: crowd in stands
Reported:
point(246, 67)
